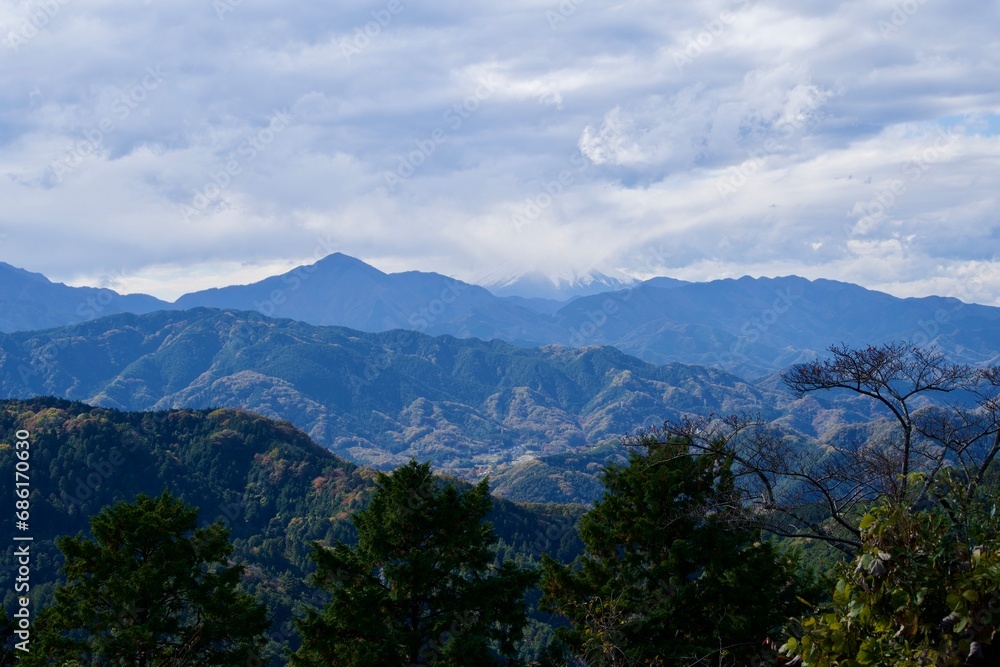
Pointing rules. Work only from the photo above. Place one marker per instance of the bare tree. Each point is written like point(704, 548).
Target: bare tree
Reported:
point(961, 435)
point(786, 489)
point(818, 492)
point(895, 375)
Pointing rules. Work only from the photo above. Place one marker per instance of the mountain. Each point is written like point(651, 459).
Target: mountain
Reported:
point(344, 291)
point(752, 327)
point(560, 286)
point(336, 290)
point(267, 482)
point(466, 405)
point(665, 282)
point(748, 326)
point(274, 489)
point(31, 301)
point(571, 477)
point(756, 326)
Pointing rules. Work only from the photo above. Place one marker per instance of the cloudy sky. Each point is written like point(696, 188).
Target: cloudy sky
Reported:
point(165, 146)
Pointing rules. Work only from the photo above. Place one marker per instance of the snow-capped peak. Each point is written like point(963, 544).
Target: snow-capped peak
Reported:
point(557, 284)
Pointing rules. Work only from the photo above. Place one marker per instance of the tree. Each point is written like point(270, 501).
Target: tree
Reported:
point(927, 440)
point(921, 591)
point(796, 490)
point(151, 589)
point(666, 578)
point(420, 586)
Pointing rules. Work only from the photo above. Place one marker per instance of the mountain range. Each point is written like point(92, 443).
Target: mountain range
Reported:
point(749, 326)
point(467, 405)
point(31, 301)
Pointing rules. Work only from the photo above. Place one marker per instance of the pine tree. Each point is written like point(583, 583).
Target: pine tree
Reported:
point(667, 578)
point(420, 586)
point(150, 589)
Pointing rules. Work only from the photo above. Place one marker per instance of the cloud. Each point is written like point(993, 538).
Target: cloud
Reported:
point(720, 138)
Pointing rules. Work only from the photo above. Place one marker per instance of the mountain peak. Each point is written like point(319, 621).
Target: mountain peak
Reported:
point(340, 258)
point(22, 274)
point(340, 262)
point(559, 285)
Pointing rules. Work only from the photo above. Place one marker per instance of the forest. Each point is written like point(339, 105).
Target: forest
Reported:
point(219, 537)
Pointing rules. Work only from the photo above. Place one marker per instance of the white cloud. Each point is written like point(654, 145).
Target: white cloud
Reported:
point(723, 138)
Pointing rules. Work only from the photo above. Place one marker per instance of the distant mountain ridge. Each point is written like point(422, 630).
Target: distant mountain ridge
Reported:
point(375, 398)
point(756, 326)
point(31, 301)
point(749, 326)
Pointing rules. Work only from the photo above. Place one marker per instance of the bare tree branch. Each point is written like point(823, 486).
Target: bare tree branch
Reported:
point(789, 488)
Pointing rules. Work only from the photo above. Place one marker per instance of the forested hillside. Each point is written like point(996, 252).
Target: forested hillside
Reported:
point(717, 537)
point(468, 406)
point(275, 490)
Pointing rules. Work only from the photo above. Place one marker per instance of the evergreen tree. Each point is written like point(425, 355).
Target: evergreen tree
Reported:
point(419, 587)
point(667, 578)
point(150, 589)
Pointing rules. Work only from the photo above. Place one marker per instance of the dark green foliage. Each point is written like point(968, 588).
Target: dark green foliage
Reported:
point(150, 589)
point(924, 590)
point(526, 531)
point(273, 488)
point(268, 482)
point(420, 586)
point(7, 639)
point(669, 576)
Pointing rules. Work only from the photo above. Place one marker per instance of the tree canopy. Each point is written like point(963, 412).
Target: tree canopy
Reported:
point(920, 592)
point(798, 489)
point(420, 586)
point(150, 589)
point(667, 579)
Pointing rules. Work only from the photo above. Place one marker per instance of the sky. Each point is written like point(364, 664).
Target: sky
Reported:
point(164, 147)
